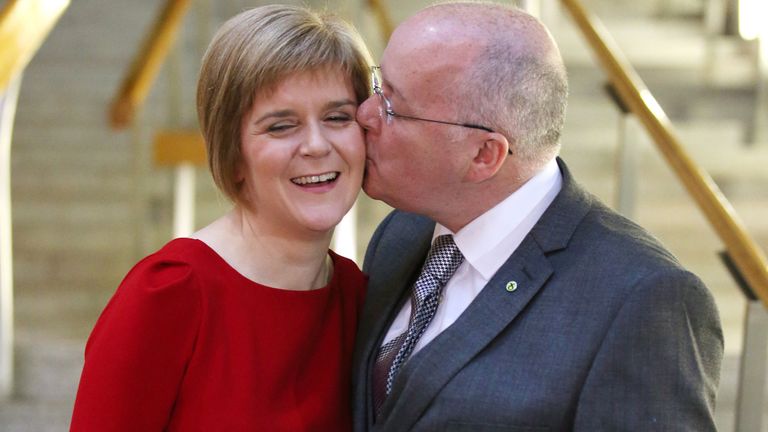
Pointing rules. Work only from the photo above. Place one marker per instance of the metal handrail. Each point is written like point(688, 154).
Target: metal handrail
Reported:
point(745, 253)
point(24, 24)
point(137, 83)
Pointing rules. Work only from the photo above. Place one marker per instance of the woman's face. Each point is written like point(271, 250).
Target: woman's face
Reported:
point(302, 152)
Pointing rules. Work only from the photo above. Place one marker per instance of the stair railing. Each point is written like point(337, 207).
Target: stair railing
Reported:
point(146, 66)
point(749, 259)
point(24, 25)
point(743, 257)
point(126, 105)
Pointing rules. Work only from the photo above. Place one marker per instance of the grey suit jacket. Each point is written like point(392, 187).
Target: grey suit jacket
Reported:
point(605, 332)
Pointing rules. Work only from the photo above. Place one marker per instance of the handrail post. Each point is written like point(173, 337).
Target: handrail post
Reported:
point(625, 163)
point(750, 392)
point(625, 195)
point(759, 129)
point(750, 396)
point(714, 20)
point(140, 205)
point(184, 200)
point(7, 114)
point(184, 173)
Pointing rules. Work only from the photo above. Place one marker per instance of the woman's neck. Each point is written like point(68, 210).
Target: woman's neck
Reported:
point(268, 253)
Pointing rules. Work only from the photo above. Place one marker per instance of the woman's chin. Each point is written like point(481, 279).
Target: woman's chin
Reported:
point(322, 223)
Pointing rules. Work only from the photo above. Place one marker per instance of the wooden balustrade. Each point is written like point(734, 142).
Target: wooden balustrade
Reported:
point(146, 65)
point(24, 24)
point(745, 253)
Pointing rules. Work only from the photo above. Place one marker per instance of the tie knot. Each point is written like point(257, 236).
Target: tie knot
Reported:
point(443, 259)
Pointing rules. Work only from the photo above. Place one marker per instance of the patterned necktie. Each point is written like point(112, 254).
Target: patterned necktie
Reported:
point(443, 260)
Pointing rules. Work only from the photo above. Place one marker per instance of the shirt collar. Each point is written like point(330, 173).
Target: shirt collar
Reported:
point(489, 240)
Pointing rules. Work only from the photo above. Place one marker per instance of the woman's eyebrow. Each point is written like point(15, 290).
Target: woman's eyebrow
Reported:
point(275, 114)
point(289, 112)
point(340, 103)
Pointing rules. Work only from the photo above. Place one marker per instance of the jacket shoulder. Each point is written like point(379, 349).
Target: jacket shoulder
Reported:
point(396, 234)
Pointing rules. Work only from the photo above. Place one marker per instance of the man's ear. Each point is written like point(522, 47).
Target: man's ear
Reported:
point(490, 154)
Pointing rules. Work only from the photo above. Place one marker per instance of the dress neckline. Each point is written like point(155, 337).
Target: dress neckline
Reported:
point(208, 250)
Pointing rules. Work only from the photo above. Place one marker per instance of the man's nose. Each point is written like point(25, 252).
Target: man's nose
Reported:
point(368, 115)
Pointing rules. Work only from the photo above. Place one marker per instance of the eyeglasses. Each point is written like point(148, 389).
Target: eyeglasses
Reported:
point(376, 84)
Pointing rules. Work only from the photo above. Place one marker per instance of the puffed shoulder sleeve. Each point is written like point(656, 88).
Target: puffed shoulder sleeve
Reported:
point(137, 353)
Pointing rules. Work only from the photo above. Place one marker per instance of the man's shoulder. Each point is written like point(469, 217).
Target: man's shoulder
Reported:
point(580, 230)
point(399, 234)
point(402, 224)
point(581, 224)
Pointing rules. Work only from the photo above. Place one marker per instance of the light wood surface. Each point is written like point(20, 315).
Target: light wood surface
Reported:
point(174, 147)
point(24, 25)
point(146, 65)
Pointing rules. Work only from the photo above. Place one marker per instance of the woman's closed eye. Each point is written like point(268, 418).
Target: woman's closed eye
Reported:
point(281, 128)
point(340, 118)
point(284, 127)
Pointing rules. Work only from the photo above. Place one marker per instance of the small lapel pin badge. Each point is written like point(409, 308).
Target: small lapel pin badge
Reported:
point(511, 286)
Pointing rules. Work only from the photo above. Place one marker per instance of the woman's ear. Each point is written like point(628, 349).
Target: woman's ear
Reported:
point(239, 172)
point(489, 157)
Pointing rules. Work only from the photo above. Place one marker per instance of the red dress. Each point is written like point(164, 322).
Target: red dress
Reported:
point(189, 344)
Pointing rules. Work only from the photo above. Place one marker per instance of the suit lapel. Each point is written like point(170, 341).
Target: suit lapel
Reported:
point(497, 305)
point(386, 289)
point(510, 290)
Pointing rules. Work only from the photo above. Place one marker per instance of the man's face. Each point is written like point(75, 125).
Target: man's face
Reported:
point(411, 164)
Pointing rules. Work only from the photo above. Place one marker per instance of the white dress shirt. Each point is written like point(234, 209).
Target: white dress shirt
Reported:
point(486, 243)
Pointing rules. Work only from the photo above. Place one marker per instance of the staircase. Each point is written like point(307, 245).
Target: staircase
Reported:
point(73, 197)
point(711, 114)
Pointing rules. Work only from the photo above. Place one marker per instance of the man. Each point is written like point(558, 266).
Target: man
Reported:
point(538, 308)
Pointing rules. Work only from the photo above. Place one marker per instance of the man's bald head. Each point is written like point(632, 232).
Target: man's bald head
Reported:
point(502, 66)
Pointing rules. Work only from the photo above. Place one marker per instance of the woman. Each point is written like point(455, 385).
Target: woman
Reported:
point(249, 324)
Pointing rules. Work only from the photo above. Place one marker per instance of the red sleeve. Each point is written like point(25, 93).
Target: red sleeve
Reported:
point(137, 353)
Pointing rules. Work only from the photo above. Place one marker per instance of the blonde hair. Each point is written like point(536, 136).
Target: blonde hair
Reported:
point(251, 54)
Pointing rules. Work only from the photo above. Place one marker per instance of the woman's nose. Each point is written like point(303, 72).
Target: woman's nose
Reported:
point(316, 144)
